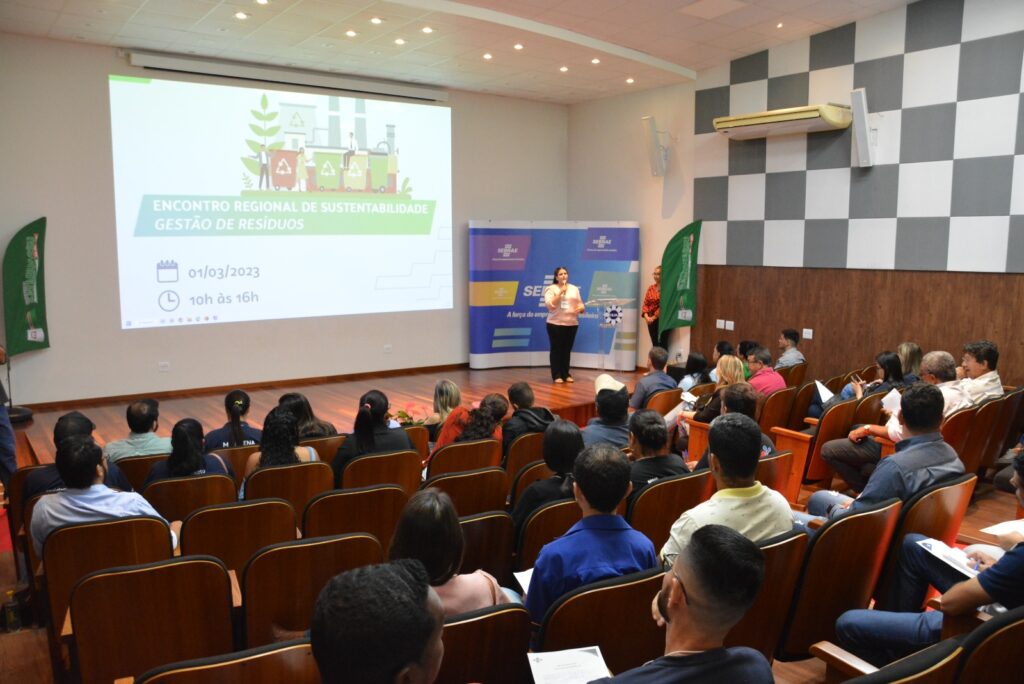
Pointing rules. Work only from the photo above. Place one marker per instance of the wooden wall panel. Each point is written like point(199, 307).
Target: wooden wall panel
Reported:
point(855, 314)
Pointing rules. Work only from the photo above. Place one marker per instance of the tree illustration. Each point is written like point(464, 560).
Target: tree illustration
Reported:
point(264, 129)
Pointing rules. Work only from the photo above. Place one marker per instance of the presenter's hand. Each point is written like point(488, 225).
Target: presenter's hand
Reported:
point(580, 308)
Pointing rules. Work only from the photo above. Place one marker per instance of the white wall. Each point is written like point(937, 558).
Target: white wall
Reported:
point(509, 160)
point(610, 177)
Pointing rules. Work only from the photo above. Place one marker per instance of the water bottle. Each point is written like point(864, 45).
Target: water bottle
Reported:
point(12, 618)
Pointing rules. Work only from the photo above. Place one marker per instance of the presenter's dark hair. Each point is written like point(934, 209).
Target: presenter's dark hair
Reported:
point(602, 473)
point(735, 440)
point(921, 407)
point(186, 448)
point(373, 413)
point(370, 623)
point(142, 415)
point(648, 427)
point(280, 437)
point(483, 421)
point(521, 394)
point(555, 274)
point(73, 423)
point(429, 531)
point(984, 351)
point(236, 403)
point(892, 369)
point(77, 458)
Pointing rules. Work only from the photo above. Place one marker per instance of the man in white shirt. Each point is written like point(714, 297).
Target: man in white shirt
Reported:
point(977, 371)
point(789, 355)
point(854, 457)
point(741, 502)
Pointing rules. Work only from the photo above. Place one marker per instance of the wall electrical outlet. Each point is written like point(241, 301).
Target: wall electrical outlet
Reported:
point(720, 324)
point(387, 348)
point(808, 334)
point(163, 366)
point(730, 325)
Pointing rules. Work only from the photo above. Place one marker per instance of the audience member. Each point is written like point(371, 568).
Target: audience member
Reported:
point(654, 381)
point(977, 374)
point(739, 398)
point(82, 468)
point(236, 432)
point(763, 377)
point(910, 362)
point(709, 588)
point(563, 442)
point(921, 459)
point(854, 457)
point(695, 372)
point(743, 349)
point(741, 502)
point(143, 420)
point(880, 636)
point(279, 444)
point(429, 531)
point(722, 348)
point(648, 441)
point(599, 546)
point(310, 427)
point(610, 425)
point(378, 624)
point(370, 434)
point(526, 418)
point(446, 399)
point(888, 376)
point(187, 455)
point(789, 355)
point(709, 406)
point(465, 425)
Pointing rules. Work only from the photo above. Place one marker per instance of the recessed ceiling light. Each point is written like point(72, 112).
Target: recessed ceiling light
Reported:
point(262, 2)
point(351, 34)
point(241, 15)
point(595, 61)
point(488, 55)
point(517, 46)
point(563, 69)
point(399, 41)
point(779, 25)
point(376, 20)
point(427, 29)
point(629, 80)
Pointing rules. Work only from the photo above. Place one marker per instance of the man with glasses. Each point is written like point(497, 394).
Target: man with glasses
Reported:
point(709, 588)
point(763, 377)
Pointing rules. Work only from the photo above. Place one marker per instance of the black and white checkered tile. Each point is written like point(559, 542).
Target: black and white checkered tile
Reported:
point(945, 89)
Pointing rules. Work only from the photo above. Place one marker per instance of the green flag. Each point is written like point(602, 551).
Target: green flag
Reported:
point(24, 294)
point(679, 280)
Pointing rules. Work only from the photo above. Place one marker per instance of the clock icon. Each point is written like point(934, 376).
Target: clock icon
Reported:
point(168, 300)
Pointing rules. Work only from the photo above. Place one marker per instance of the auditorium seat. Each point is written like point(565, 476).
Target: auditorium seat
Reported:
point(548, 522)
point(775, 409)
point(664, 401)
point(487, 645)
point(175, 497)
point(775, 472)
point(489, 542)
point(527, 475)
point(869, 410)
point(297, 483)
point(801, 403)
point(936, 664)
point(702, 389)
point(289, 661)
point(807, 461)
point(473, 491)
point(238, 457)
point(956, 427)
point(326, 447)
point(697, 443)
point(797, 373)
point(659, 504)
point(136, 468)
point(979, 434)
point(374, 509)
point(419, 436)
point(524, 449)
point(461, 456)
point(234, 532)
point(1000, 435)
point(401, 468)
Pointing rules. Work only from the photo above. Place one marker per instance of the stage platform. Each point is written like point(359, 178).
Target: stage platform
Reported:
point(335, 401)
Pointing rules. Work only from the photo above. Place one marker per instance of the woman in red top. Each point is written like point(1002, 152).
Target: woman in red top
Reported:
point(652, 311)
point(463, 425)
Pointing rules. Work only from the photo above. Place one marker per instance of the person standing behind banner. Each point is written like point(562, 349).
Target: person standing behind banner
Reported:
point(564, 308)
point(652, 311)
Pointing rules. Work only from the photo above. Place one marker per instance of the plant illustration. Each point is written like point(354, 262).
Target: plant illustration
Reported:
point(406, 190)
point(264, 128)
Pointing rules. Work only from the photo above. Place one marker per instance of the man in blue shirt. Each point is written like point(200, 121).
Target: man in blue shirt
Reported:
point(612, 422)
point(599, 546)
point(881, 636)
point(654, 381)
point(709, 588)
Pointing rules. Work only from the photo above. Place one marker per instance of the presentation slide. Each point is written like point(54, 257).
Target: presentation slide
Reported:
point(246, 204)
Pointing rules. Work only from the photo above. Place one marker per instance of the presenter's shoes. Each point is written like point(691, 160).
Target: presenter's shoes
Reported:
point(569, 379)
point(559, 381)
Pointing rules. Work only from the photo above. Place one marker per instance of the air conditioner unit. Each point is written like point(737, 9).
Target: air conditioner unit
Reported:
point(826, 117)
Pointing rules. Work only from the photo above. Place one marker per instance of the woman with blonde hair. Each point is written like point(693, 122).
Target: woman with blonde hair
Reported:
point(910, 360)
point(447, 398)
point(729, 371)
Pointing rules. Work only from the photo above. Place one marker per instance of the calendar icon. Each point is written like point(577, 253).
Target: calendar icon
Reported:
point(167, 271)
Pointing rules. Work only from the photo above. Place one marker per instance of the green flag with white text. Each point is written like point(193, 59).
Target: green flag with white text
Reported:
point(679, 280)
point(24, 293)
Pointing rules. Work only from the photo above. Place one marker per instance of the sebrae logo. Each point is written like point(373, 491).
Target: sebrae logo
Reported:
point(507, 250)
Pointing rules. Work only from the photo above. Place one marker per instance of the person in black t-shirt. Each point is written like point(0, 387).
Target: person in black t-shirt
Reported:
point(709, 588)
point(563, 442)
point(648, 441)
point(236, 432)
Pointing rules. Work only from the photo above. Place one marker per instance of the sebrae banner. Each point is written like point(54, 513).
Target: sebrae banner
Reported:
point(679, 280)
point(24, 292)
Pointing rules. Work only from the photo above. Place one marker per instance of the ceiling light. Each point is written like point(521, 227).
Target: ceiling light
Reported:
point(595, 61)
point(376, 20)
point(488, 55)
point(351, 34)
point(262, 2)
point(241, 15)
point(629, 80)
point(517, 46)
point(399, 41)
point(779, 25)
point(427, 29)
point(563, 69)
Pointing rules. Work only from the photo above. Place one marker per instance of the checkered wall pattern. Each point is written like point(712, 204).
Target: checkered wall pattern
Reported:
point(945, 91)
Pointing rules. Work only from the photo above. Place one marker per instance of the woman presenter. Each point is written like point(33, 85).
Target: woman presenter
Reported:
point(564, 307)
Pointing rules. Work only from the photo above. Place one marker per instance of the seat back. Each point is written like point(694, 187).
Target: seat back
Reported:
point(801, 403)
point(127, 620)
point(527, 475)
point(234, 532)
point(935, 512)
point(296, 483)
point(857, 541)
point(489, 541)
point(1010, 404)
point(281, 582)
point(835, 423)
point(991, 650)
point(473, 491)
point(702, 389)
point(400, 467)
point(697, 443)
point(664, 401)
point(525, 449)
point(583, 616)
point(136, 468)
point(487, 645)
point(762, 625)
point(544, 525)
point(776, 408)
point(16, 497)
point(660, 503)
point(73, 551)
point(956, 427)
point(936, 664)
point(869, 410)
point(290, 661)
point(419, 436)
point(326, 447)
point(238, 457)
point(375, 510)
point(1016, 427)
point(834, 384)
point(174, 498)
point(774, 471)
point(785, 373)
point(979, 433)
point(797, 373)
point(460, 456)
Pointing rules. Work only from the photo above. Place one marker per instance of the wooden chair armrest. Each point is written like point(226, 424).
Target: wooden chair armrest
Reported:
point(802, 508)
point(792, 434)
point(66, 630)
point(811, 421)
point(815, 523)
point(955, 625)
point(236, 590)
point(840, 664)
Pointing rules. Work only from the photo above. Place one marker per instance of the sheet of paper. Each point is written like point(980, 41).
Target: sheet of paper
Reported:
point(824, 392)
point(953, 557)
point(1004, 527)
point(891, 402)
point(686, 396)
point(574, 666)
point(523, 577)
